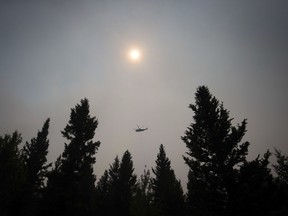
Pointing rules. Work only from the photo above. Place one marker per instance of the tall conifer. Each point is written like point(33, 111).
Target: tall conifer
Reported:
point(122, 185)
point(167, 190)
point(36, 168)
point(214, 153)
point(72, 180)
point(34, 155)
point(11, 173)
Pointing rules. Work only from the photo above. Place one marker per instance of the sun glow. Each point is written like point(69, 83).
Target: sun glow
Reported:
point(134, 55)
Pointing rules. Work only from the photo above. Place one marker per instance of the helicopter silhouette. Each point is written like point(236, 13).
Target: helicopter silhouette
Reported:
point(138, 129)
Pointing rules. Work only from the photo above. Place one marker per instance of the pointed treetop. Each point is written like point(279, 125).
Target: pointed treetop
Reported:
point(81, 124)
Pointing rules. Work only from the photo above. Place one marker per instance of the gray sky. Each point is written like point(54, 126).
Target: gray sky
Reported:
point(54, 53)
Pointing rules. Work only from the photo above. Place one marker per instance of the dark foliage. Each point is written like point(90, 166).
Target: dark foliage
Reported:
point(71, 186)
point(127, 181)
point(256, 191)
point(281, 168)
point(34, 156)
point(102, 195)
point(35, 164)
point(121, 185)
point(167, 190)
point(220, 180)
point(142, 203)
point(11, 174)
point(114, 187)
point(214, 152)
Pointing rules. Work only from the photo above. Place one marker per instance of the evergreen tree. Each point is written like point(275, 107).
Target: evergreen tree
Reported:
point(114, 186)
point(108, 189)
point(35, 163)
point(281, 169)
point(11, 174)
point(73, 175)
point(103, 184)
point(122, 183)
point(127, 180)
point(142, 201)
point(167, 190)
point(214, 153)
point(256, 191)
point(144, 183)
point(54, 193)
point(102, 193)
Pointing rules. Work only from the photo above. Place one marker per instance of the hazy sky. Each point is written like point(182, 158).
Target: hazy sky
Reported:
point(54, 53)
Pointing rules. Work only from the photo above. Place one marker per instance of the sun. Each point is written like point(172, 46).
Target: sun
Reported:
point(135, 55)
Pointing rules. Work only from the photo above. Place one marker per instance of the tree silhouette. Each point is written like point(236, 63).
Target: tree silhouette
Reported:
point(35, 164)
point(34, 155)
point(220, 180)
point(142, 203)
point(102, 195)
point(73, 179)
point(256, 190)
point(282, 166)
point(127, 180)
point(214, 152)
point(11, 173)
point(122, 183)
point(167, 190)
point(281, 169)
point(114, 187)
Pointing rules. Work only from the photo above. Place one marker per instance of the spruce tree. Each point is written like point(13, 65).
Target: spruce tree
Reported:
point(35, 161)
point(255, 189)
point(122, 184)
point(11, 173)
point(113, 189)
point(282, 166)
point(102, 195)
point(167, 190)
point(35, 164)
point(127, 180)
point(214, 153)
point(142, 201)
point(73, 179)
point(103, 184)
point(281, 169)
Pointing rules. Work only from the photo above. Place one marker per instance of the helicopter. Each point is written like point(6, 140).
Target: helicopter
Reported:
point(140, 129)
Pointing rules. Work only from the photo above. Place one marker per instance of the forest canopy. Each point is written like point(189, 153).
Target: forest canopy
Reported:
point(221, 181)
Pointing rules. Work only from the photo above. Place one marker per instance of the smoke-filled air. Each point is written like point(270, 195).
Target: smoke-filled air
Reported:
point(143, 108)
